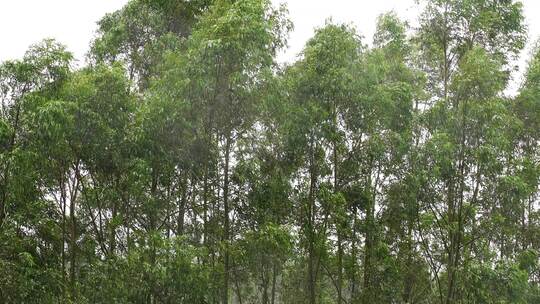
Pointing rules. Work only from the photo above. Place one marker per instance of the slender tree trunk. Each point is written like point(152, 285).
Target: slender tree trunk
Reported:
point(456, 212)
point(340, 269)
point(73, 247)
point(338, 221)
point(311, 273)
point(181, 211)
point(238, 289)
point(112, 236)
point(368, 265)
point(354, 254)
point(63, 200)
point(226, 237)
point(408, 284)
point(451, 252)
point(73, 215)
point(205, 206)
point(152, 224)
point(312, 277)
point(370, 242)
point(265, 285)
point(274, 279)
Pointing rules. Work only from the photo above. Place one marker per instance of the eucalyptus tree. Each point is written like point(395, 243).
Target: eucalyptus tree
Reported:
point(322, 88)
point(457, 37)
point(44, 65)
point(67, 130)
point(384, 123)
point(125, 36)
point(263, 198)
point(526, 170)
point(448, 29)
point(141, 32)
point(230, 48)
point(526, 108)
point(27, 221)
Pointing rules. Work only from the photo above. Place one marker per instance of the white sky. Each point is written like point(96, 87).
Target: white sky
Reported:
point(72, 22)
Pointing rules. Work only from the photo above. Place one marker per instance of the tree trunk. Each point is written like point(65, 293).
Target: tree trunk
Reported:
point(112, 236)
point(274, 279)
point(353, 255)
point(370, 243)
point(408, 284)
point(368, 265)
point(181, 211)
point(73, 247)
point(312, 277)
point(225, 296)
point(64, 228)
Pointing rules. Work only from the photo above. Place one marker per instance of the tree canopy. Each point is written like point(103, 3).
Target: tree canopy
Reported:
point(183, 164)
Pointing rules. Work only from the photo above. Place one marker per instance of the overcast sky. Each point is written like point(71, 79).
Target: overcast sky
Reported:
point(73, 22)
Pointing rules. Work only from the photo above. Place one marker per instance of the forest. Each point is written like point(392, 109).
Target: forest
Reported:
point(181, 163)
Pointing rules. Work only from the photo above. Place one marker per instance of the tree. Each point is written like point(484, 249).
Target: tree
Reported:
point(181, 164)
point(27, 220)
point(466, 44)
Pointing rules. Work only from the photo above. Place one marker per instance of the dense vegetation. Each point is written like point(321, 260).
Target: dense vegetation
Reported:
point(183, 165)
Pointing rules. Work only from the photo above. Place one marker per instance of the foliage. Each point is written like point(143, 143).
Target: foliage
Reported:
point(184, 165)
